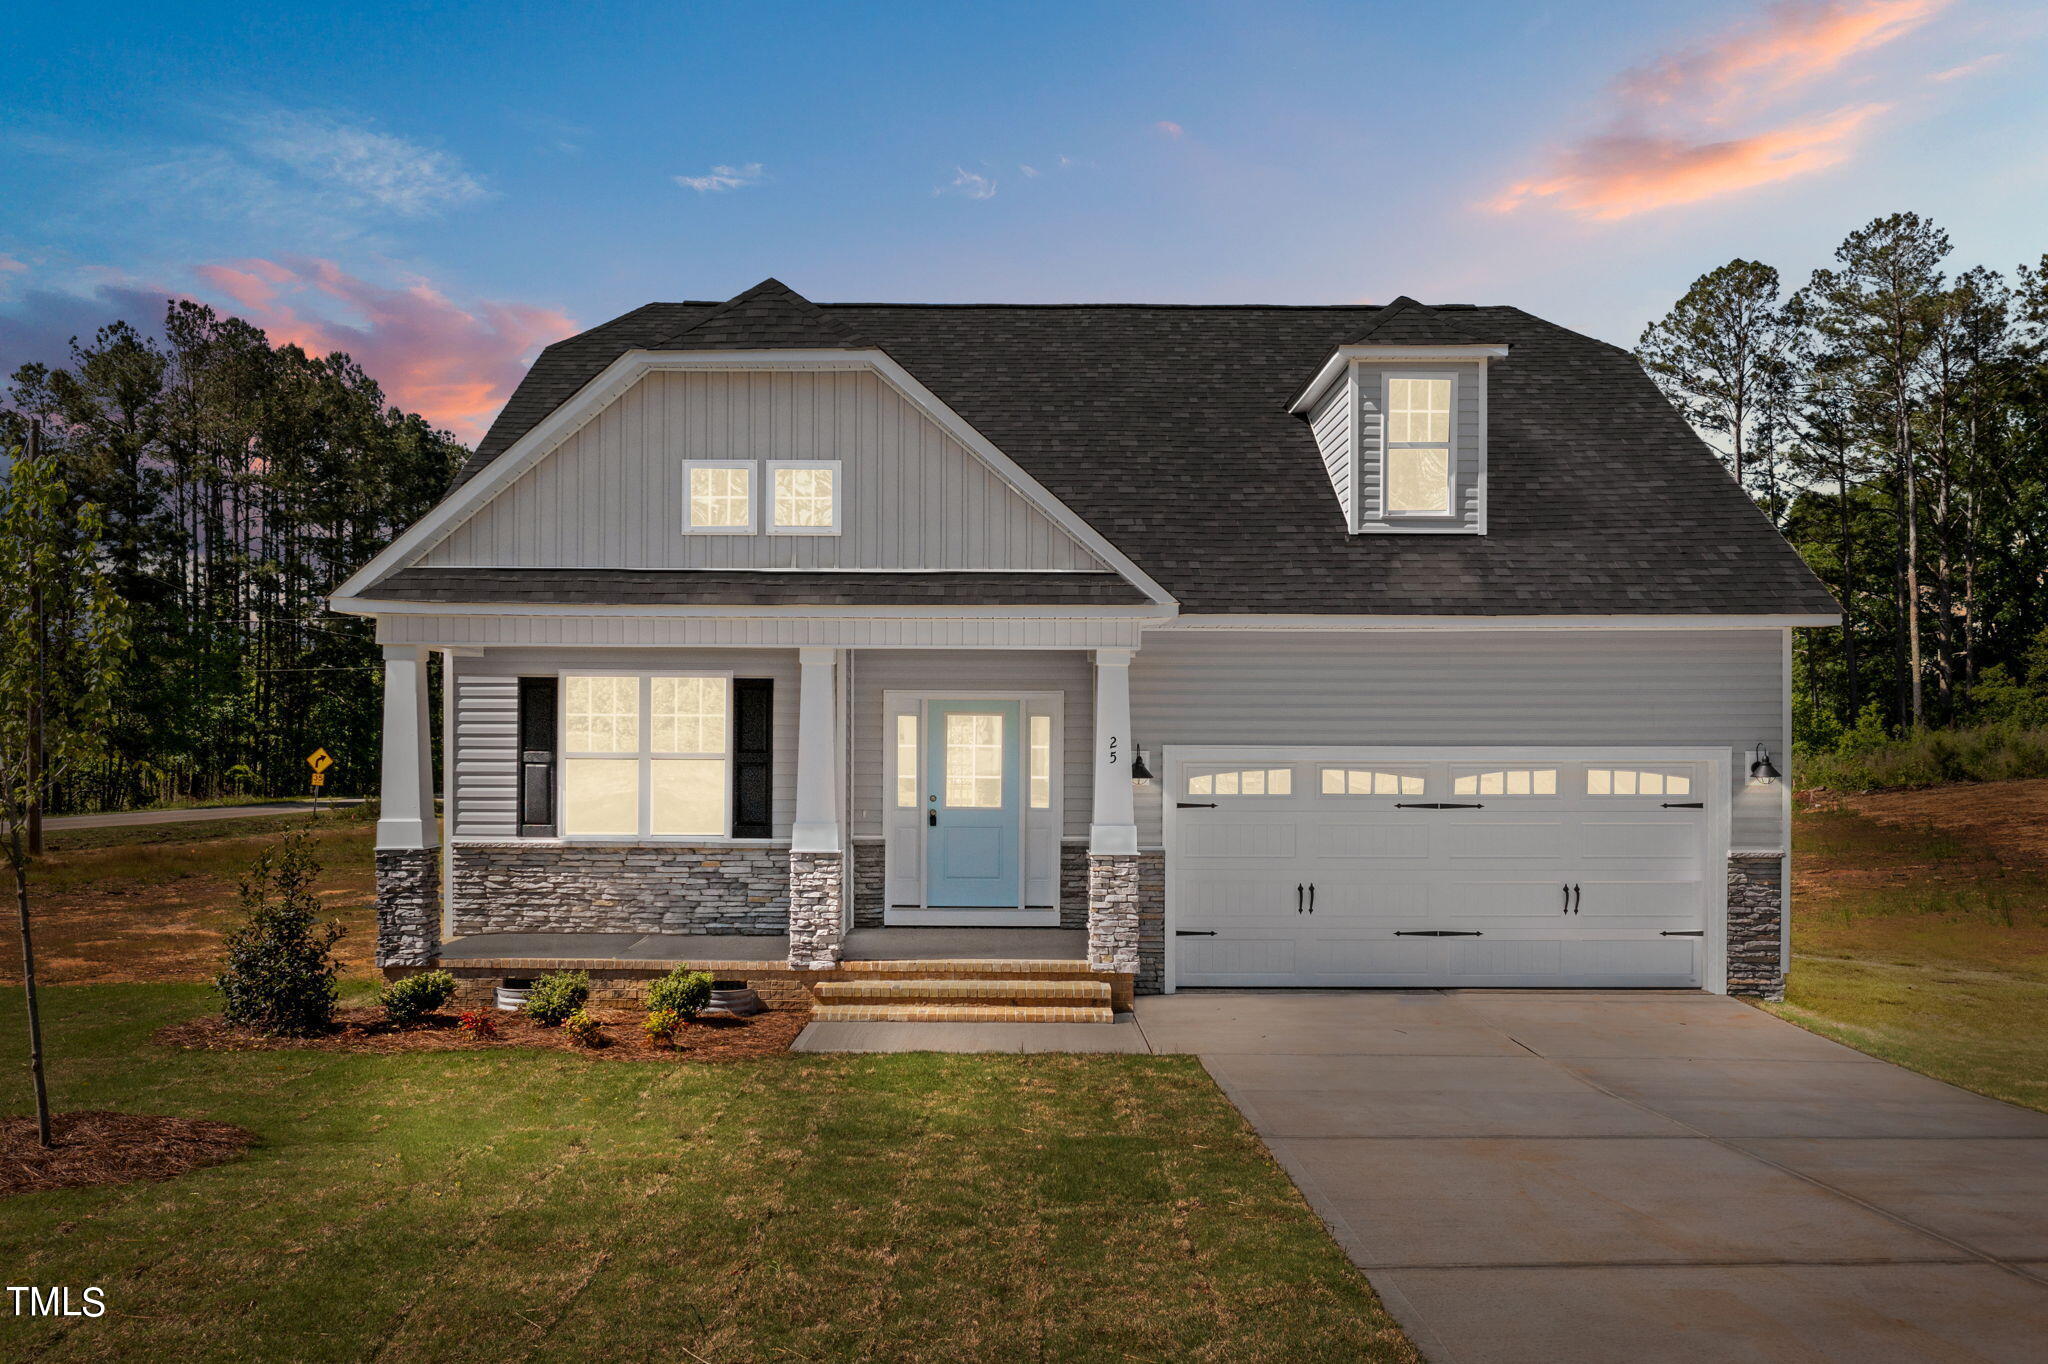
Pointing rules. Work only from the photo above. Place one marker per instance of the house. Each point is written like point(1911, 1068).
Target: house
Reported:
point(1266, 646)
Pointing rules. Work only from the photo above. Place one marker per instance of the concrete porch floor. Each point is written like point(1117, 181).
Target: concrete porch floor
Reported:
point(863, 944)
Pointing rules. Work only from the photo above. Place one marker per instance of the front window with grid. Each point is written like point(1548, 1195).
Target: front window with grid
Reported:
point(804, 497)
point(1418, 461)
point(646, 756)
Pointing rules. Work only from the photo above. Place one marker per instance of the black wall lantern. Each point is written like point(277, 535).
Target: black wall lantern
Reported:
point(1761, 772)
point(1140, 772)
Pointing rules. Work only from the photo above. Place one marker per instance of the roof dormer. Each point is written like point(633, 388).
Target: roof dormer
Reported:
point(1399, 415)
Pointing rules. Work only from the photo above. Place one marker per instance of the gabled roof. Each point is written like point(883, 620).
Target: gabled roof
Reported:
point(1404, 322)
point(1166, 428)
point(769, 316)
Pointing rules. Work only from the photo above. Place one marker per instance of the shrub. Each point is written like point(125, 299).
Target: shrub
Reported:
point(661, 1024)
point(410, 998)
point(682, 992)
point(479, 1024)
point(1928, 757)
point(583, 1029)
point(557, 995)
point(277, 974)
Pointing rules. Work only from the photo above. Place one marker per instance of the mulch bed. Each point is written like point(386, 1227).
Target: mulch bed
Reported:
point(96, 1147)
point(365, 1030)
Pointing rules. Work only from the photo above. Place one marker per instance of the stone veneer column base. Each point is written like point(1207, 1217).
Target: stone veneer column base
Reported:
point(816, 895)
point(408, 906)
point(1756, 916)
point(1113, 912)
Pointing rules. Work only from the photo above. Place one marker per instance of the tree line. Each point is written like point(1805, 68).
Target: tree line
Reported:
point(237, 484)
point(1890, 415)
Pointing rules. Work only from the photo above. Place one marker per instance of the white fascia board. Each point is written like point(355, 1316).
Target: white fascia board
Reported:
point(1390, 622)
point(1343, 356)
point(632, 366)
point(370, 606)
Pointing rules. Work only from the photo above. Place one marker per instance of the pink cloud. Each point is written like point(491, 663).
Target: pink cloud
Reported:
point(454, 364)
point(1746, 108)
point(9, 264)
point(1166, 127)
point(1614, 177)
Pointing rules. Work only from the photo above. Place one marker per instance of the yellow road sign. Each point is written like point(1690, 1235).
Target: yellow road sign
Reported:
point(319, 779)
point(318, 760)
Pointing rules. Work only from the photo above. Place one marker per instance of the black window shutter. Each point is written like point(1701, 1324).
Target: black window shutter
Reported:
point(753, 756)
point(537, 744)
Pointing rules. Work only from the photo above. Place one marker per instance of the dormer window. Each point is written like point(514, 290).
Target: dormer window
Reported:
point(1419, 461)
point(718, 497)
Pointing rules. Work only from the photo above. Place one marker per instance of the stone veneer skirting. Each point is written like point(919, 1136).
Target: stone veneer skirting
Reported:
point(816, 897)
point(1756, 910)
point(408, 906)
point(1113, 912)
point(550, 887)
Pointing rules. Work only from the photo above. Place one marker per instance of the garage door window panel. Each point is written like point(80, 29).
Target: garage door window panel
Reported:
point(1374, 781)
point(1639, 781)
point(1242, 781)
point(1504, 781)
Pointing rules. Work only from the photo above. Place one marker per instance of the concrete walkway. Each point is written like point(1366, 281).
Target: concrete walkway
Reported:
point(126, 818)
point(1638, 1177)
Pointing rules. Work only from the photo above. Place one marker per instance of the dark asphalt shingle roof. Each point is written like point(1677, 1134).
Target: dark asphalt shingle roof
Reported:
point(714, 587)
point(1166, 428)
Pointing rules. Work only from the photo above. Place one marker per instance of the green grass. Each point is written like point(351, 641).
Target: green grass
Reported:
point(1922, 948)
point(1930, 757)
point(512, 1206)
point(221, 849)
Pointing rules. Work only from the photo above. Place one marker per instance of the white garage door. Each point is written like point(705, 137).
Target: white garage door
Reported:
point(1352, 869)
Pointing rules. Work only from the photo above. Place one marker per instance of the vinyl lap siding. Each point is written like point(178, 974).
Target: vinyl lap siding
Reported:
point(1331, 423)
point(611, 496)
point(1682, 688)
point(1465, 449)
point(487, 712)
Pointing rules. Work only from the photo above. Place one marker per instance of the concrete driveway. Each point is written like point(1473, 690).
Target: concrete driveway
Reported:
point(1638, 1176)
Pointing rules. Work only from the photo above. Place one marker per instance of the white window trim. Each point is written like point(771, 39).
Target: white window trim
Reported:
point(1388, 444)
point(753, 496)
point(766, 501)
point(644, 756)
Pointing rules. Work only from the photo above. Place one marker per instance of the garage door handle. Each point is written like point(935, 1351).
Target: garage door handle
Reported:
point(1194, 805)
point(1194, 932)
point(1434, 805)
point(1297, 897)
point(1685, 805)
point(1575, 897)
point(1437, 933)
point(1683, 933)
point(1311, 897)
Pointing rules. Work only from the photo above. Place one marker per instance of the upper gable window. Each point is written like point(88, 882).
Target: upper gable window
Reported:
point(803, 496)
point(718, 497)
point(1419, 447)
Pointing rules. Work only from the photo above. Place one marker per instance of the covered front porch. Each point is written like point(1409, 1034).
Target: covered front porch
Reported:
point(858, 765)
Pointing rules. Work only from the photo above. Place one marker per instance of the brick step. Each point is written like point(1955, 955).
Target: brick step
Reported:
point(979, 968)
point(1022, 991)
point(961, 1013)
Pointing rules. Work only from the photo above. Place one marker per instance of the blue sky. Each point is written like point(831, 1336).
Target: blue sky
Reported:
point(441, 190)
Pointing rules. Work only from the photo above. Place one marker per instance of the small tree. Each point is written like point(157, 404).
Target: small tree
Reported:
point(63, 635)
point(278, 975)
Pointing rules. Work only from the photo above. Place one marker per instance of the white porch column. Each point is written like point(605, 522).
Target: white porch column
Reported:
point(406, 813)
point(817, 754)
point(1113, 824)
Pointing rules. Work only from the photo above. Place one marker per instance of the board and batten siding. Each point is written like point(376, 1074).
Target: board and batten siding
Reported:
point(485, 789)
point(611, 495)
point(1465, 452)
point(1617, 688)
point(875, 671)
point(1331, 422)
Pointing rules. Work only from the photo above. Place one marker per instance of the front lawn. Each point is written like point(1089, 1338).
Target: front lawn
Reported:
point(528, 1205)
point(1920, 933)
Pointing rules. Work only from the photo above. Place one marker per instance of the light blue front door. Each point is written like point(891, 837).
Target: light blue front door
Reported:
point(971, 798)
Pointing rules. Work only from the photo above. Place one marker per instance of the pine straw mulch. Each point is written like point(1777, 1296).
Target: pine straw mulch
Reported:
point(95, 1147)
point(365, 1030)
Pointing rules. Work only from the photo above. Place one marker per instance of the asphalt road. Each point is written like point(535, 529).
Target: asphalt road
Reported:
point(131, 817)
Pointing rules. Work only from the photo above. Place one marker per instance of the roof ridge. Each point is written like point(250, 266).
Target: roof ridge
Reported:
point(769, 314)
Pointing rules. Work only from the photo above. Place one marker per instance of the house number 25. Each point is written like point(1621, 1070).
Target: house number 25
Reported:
point(1113, 758)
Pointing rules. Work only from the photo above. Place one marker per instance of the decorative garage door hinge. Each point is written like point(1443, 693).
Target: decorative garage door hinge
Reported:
point(1194, 932)
point(1437, 933)
point(1435, 805)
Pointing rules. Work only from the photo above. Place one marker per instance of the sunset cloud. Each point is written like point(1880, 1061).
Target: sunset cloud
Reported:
point(1168, 128)
point(1758, 104)
point(453, 363)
